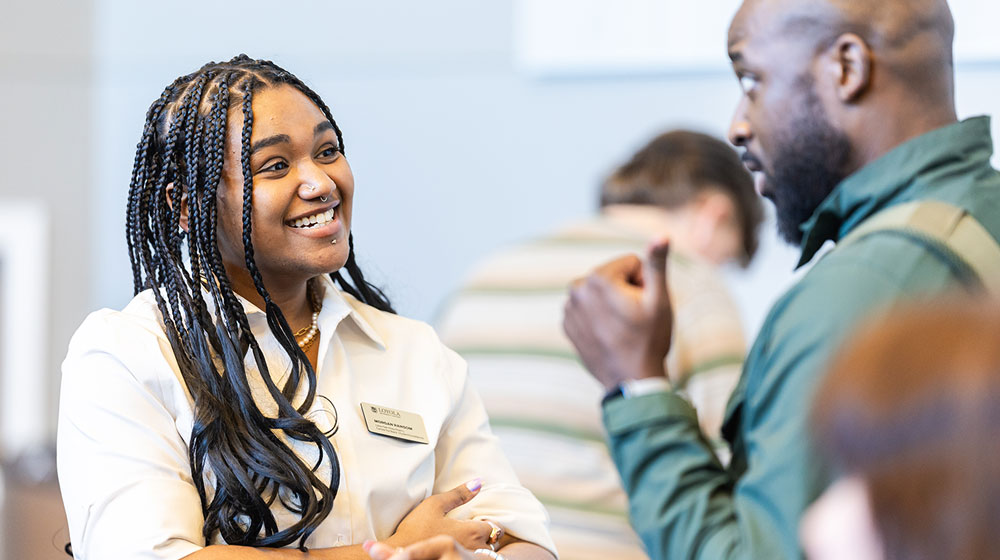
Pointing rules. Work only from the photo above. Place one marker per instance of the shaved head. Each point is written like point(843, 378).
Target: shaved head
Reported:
point(889, 22)
point(911, 39)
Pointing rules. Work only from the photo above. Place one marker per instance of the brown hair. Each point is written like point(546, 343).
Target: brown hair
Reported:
point(912, 406)
point(675, 166)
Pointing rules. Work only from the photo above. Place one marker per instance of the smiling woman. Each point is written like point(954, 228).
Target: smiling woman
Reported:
point(220, 413)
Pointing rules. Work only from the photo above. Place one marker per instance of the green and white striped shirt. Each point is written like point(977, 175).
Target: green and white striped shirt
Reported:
point(507, 323)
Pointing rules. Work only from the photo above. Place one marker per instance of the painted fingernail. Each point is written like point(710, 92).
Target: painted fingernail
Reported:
point(474, 485)
point(367, 545)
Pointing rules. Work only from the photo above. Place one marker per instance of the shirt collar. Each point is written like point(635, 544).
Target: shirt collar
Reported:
point(336, 307)
point(890, 179)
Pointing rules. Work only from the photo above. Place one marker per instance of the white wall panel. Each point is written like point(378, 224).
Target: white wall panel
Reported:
point(597, 37)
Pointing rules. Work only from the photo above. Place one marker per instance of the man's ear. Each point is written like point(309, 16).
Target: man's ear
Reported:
point(849, 61)
point(184, 204)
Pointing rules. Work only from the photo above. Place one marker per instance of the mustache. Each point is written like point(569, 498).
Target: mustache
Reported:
point(751, 162)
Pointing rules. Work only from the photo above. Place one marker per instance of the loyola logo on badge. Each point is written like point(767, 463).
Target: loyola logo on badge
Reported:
point(386, 411)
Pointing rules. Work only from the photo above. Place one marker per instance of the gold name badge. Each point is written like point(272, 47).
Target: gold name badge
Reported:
point(399, 424)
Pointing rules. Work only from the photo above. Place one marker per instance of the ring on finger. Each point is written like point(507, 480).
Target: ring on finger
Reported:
point(496, 533)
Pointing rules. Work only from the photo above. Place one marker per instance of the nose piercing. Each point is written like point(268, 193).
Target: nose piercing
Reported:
point(311, 188)
point(324, 198)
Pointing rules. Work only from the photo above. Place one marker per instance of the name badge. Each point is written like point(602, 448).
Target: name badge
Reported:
point(399, 424)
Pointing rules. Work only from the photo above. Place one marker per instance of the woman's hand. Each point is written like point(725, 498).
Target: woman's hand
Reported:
point(441, 547)
point(428, 520)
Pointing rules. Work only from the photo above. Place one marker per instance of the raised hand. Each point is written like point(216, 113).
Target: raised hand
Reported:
point(619, 318)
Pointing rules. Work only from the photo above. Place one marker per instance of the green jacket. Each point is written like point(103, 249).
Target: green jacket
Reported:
point(683, 502)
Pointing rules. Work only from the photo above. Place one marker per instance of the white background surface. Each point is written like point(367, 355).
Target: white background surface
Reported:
point(596, 37)
point(23, 314)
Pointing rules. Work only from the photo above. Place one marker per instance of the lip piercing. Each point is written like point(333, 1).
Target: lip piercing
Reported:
point(334, 242)
point(324, 198)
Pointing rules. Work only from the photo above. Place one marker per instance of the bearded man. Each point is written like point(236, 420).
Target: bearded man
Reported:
point(847, 110)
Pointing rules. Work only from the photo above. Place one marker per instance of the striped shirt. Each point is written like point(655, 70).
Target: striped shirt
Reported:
point(507, 323)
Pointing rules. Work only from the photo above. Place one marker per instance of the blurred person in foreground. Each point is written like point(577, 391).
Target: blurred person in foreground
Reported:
point(848, 121)
point(506, 322)
point(909, 416)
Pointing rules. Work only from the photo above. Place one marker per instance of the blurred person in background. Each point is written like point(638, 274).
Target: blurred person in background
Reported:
point(909, 416)
point(258, 398)
point(506, 322)
point(848, 121)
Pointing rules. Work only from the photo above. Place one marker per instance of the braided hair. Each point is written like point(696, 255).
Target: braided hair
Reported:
point(181, 154)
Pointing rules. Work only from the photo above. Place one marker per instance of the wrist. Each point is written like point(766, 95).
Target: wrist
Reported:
point(637, 387)
point(619, 378)
point(645, 386)
point(653, 369)
point(615, 392)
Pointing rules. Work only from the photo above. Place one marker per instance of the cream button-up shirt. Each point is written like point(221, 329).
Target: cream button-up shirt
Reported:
point(125, 421)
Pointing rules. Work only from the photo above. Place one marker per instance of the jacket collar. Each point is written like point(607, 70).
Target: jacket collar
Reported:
point(893, 178)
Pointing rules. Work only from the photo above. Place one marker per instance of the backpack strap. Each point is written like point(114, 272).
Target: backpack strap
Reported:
point(946, 227)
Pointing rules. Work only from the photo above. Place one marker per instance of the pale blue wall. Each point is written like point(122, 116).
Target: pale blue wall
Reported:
point(454, 151)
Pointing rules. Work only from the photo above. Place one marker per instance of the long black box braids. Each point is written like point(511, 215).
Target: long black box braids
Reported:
point(181, 154)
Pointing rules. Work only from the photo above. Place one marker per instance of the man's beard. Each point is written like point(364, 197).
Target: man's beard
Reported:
point(810, 162)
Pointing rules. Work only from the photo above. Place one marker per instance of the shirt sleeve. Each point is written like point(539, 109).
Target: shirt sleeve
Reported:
point(468, 449)
point(123, 467)
point(683, 502)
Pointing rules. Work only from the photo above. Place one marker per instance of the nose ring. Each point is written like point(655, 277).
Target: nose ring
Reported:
point(324, 198)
